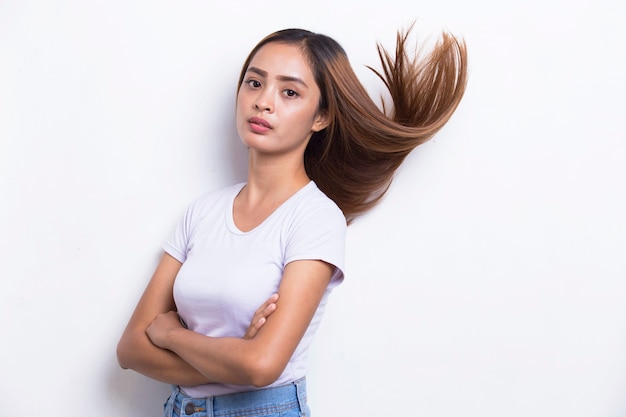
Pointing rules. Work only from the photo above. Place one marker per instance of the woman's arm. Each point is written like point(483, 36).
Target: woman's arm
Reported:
point(261, 360)
point(137, 352)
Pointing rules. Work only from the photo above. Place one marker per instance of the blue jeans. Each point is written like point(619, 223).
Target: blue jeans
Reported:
point(284, 401)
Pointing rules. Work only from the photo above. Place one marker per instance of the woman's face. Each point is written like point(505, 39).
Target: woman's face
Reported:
point(277, 103)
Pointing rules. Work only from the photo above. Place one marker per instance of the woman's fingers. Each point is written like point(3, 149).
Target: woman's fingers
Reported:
point(260, 316)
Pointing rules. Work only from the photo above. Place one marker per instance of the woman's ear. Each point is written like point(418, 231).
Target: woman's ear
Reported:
point(321, 121)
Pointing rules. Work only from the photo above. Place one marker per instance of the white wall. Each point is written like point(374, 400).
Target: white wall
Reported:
point(490, 282)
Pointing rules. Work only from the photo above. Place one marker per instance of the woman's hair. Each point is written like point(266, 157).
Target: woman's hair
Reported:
point(354, 159)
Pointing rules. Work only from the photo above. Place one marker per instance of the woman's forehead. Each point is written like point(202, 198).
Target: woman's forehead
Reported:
point(281, 57)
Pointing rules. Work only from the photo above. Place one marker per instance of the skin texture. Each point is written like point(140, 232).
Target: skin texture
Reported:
point(277, 112)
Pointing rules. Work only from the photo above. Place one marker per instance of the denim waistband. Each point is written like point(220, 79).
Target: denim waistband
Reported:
point(249, 403)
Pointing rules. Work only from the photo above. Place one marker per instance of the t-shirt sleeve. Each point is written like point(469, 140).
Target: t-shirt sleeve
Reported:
point(178, 243)
point(320, 235)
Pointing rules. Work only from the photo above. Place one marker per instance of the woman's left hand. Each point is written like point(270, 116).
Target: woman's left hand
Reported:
point(160, 328)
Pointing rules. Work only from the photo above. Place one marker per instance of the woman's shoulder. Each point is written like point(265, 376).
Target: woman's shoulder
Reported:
point(210, 201)
point(313, 203)
point(212, 196)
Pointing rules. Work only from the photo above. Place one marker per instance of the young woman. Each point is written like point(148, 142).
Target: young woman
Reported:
point(320, 154)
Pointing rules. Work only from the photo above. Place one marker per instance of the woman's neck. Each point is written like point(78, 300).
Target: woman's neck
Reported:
point(274, 178)
point(271, 182)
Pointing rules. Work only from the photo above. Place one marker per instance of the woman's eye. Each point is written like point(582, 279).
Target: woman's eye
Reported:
point(253, 83)
point(291, 93)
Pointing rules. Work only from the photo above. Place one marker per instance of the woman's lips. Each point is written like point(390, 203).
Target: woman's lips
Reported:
point(259, 125)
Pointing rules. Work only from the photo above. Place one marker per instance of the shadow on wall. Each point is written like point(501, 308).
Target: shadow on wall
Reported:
point(237, 154)
point(132, 394)
point(232, 162)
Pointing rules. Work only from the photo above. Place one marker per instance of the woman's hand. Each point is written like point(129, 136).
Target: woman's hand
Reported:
point(161, 326)
point(260, 317)
point(261, 360)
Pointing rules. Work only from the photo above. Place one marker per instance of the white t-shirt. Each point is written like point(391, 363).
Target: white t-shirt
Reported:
point(227, 274)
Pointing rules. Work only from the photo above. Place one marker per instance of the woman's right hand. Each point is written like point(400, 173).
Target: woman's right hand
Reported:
point(260, 317)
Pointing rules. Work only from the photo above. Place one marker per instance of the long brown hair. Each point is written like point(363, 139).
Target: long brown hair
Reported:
point(354, 159)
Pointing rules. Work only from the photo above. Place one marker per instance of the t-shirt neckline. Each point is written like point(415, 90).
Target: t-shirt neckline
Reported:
point(230, 220)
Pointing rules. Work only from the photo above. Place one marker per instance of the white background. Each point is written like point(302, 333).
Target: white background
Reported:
point(490, 282)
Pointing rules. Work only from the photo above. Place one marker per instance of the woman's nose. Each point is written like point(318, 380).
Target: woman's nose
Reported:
point(264, 102)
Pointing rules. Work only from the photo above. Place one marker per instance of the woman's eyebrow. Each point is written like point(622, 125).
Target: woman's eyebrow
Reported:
point(264, 74)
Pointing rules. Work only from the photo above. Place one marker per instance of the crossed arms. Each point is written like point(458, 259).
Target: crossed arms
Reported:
point(156, 344)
